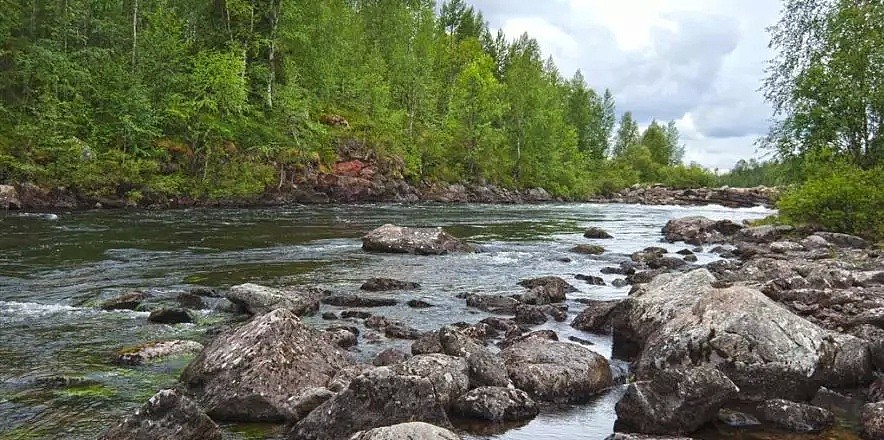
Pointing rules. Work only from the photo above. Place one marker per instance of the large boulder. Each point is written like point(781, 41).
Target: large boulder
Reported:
point(596, 317)
point(256, 299)
point(675, 401)
point(448, 374)
point(795, 416)
point(9, 197)
point(485, 367)
point(496, 404)
point(556, 371)
point(379, 397)
point(682, 321)
point(597, 233)
point(419, 241)
point(699, 230)
point(412, 430)
point(167, 414)
point(873, 421)
point(248, 373)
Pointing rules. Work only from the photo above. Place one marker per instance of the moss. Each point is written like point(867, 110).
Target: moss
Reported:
point(93, 391)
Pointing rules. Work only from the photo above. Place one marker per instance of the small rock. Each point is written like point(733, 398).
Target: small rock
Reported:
point(530, 314)
point(390, 356)
point(358, 301)
point(127, 301)
point(597, 233)
point(591, 279)
point(418, 304)
point(387, 284)
point(357, 314)
point(782, 247)
point(588, 249)
point(407, 431)
point(493, 303)
point(690, 258)
point(342, 336)
point(191, 301)
point(329, 316)
point(794, 416)
point(496, 404)
point(170, 316)
point(580, 341)
point(685, 252)
point(155, 350)
point(553, 288)
point(619, 282)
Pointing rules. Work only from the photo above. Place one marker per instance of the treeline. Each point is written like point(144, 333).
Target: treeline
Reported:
point(227, 98)
point(827, 88)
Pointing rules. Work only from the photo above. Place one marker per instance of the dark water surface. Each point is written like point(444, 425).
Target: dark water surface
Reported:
point(53, 273)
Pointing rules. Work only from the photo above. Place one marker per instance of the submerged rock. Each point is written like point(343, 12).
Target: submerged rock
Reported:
point(126, 301)
point(556, 371)
point(387, 284)
point(419, 241)
point(155, 350)
point(493, 303)
point(403, 431)
point(794, 416)
point(588, 249)
point(379, 397)
point(170, 316)
point(257, 299)
point(496, 404)
point(250, 372)
point(597, 233)
point(675, 401)
point(167, 415)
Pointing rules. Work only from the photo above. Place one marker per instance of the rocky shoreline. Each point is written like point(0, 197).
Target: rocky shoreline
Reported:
point(349, 189)
point(786, 321)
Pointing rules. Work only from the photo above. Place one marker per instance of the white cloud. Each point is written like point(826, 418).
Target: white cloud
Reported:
point(698, 62)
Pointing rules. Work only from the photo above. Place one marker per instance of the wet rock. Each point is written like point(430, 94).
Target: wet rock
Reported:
point(249, 373)
point(556, 371)
point(597, 233)
point(690, 258)
point(170, 316)
point(388, 284)
point(496, 404)
point(418, 304)
point(591, 279)
point(844, 240)
point(613, 271)
point(648, 254)
point(675, 401)
point(529, 314)
point(191, 301)
point(698, 230)
point(256, 299)
point(390, 356)
point(667, 263)
point(493, 303)
point(736, 419)
point(588, 249)
point(596, 317)
point(794, 416)
point(166, 415)
point(448, 374)
point(329, 316)
point(551, 289)
point(156, 350)
point(392, 329)
point(358, 301)
point(418, 241)
point(379, 397)
point(873, 421)
point(355, 314)
point(619, 282)
point(342, 336)
point(763, 348)
point(126, 301)
point(685, 252)
point(412, 430)
point(580, 341)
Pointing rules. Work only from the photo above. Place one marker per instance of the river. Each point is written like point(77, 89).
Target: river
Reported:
point(54, 272)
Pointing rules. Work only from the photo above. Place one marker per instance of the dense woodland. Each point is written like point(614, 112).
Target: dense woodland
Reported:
point(217, 99)
point(226, 98)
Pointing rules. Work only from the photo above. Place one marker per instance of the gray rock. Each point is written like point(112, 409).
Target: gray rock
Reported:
point(844, 240)
point(390, 356)
point(358, 301)
point(448, 374)
point(427, 344)
point(156, 350)
point(485, 368)
point(342, 336)
point(126, 301)
point(794, 416)
point(591, 279)
point(256, 299)
point(873, 421)
point(388, 284)
point(675, 401)
point(625, 436)
point(596, 233)
point(496, 404)
point(815, 242)
point(588, 249)
point(736, 419)
point(782, 247)
point(308, 399)
point(402, 431)
point(552, 289)
point(345, 375)
point(528, 314)
point(596, 317)
point(379, 397)
point(419, 241)
point(249, 373)
point(698, 230)
point(191, 301)
point(493, 303)
point(764, 233)
point(418, 304)
point(166, 415)
point(556, 371)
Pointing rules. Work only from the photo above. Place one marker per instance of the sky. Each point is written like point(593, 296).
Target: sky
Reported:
point(698, 62)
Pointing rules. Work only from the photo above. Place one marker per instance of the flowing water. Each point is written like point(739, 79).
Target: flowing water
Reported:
point(53, 273)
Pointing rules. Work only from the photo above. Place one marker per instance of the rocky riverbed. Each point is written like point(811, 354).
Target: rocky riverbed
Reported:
point(762, 332)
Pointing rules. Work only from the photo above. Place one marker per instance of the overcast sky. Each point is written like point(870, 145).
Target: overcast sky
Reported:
point(698, 62)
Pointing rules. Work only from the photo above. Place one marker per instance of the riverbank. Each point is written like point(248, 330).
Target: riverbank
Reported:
point(351, 188)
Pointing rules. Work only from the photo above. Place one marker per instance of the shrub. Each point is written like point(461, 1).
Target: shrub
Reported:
point(850, 200)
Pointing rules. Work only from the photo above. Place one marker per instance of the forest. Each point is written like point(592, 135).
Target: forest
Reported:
point(225, 98)
point(228, 98)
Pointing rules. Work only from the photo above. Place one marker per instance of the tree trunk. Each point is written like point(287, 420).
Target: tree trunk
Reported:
point(134, 34)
